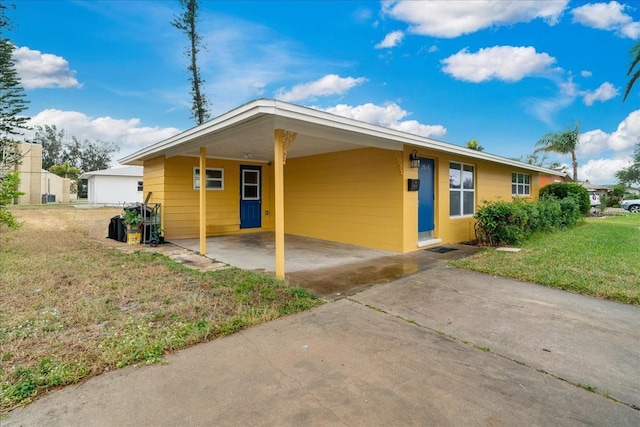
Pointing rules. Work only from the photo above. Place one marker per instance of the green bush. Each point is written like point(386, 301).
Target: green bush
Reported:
point(504, 223)
point(561, 190)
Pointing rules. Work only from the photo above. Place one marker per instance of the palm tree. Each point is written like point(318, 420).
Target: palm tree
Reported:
point(473, 144)
point(562, 143)
point(635, 52)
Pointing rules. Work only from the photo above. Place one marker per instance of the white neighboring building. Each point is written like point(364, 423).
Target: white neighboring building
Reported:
point(114, 187)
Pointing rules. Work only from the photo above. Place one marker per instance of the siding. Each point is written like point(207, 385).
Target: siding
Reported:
point(171, 181)
point(492, 182)
point(353, 197)
point(357, 197)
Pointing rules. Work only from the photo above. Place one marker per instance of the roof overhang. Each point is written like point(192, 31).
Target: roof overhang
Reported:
point(247, 132)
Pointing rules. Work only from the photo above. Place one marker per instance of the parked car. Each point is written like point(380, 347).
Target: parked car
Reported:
point(594, 198)
point(631, 205)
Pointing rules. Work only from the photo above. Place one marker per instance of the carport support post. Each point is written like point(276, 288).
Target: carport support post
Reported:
point(278, 174)
point(203, 200)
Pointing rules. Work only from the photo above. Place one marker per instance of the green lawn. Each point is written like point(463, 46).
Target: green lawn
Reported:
point(600, 257)
point(73, 306)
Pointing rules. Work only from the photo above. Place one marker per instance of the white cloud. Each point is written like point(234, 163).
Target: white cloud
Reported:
point(390, 115)
point(43, 70)
point(601, 171)
point(586, 73)
point(607, 16)
point(249, 57)
point(453, 18)
point(331, 84)
point(605, 92)
point(127, 134)
point(391, 40)
point(622, 140)
point(544, 109)
point(507, 63)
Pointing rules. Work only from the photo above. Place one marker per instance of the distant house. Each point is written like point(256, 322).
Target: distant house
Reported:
point(114, 187)
point(38, 185)
point(273, 166)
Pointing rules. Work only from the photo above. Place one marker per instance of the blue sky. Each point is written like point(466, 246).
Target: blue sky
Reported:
point(502, 72)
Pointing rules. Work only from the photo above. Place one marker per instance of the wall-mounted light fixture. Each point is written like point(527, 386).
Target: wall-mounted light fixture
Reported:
point(414, 159)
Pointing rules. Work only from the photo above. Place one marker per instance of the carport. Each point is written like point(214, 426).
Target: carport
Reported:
point(328, 269)
point(242, 135)
point(346, 181)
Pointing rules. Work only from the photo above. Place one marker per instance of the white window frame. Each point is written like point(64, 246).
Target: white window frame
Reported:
point(196, 176)
point(245, 184)
point(140, 185)
point(526, 187)
point(462, 191)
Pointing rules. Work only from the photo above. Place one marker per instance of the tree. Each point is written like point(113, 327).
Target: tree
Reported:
point(634, 75)
point(65, 170)
point(12, 97)
point(186, 22)
point(473, 144)
point(565, 142)
point(84, 155)
point(536, 159)
point(52, 141)
point(89, 155)
point(12, 103)
point(631, 174)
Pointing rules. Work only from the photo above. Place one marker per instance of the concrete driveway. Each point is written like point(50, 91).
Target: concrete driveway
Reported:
point(441, 347)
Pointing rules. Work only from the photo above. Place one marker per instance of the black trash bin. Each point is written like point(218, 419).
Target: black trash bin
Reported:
point(117, 231)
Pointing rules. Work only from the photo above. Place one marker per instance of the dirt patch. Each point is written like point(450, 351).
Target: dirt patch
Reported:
point(94, 223)
point(66, 217)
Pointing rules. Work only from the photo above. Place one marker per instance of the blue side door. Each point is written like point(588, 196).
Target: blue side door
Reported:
point(426, 196)
point(250, 196)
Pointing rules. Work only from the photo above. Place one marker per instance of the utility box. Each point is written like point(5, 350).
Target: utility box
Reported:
point(48, 198)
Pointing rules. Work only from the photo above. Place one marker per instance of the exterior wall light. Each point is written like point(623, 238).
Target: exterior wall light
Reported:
point(414, 159)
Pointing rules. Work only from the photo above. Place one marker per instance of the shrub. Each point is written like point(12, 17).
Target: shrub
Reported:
point(507, 223)
point(561, 190)
point(501, 222)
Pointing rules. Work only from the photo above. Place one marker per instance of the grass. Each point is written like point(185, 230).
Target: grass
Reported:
point(598, 258)
point(73, 306)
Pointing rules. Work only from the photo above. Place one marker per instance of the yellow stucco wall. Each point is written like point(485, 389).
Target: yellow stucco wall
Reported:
point(492, 182)
point(351, 196)
point(358, 197)
point(171, 183)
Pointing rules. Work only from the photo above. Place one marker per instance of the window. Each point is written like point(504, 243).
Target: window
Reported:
point(139, 185)
point(520, 184)
point(214, 179)
point(461, 189)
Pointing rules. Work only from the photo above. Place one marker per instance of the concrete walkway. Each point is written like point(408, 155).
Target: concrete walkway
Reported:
point(441, 347)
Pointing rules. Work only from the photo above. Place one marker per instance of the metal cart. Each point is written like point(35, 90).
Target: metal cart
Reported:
point(150, 227)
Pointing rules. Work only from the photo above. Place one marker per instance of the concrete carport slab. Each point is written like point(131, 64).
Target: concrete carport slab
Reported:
point(330, 270)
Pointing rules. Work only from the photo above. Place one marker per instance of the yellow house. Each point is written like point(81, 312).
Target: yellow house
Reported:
point(271, 165)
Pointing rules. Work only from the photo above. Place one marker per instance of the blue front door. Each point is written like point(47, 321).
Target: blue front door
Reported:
point(250, 197)
point(426, 196)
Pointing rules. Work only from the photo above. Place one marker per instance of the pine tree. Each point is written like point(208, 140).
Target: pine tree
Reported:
point(12, 97)
point(186, 22)
point(12, 103)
